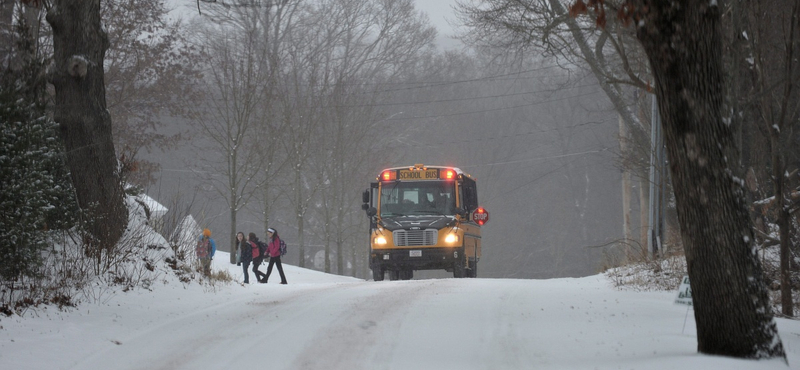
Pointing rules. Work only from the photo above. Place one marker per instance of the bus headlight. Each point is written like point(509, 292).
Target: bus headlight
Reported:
point(380, 240)
point(451, 238)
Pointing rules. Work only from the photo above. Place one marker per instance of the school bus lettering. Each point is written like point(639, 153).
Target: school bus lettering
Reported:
point(424, 218)
point(419, 175)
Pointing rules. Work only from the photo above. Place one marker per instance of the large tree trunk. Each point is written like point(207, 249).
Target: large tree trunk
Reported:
point(79, 45)
point(732, 310)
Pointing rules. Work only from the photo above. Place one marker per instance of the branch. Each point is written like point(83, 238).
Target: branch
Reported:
point(772, 241)
point(613, 95)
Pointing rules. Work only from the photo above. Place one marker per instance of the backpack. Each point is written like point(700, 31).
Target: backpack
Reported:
point(283, 248)
point(203, 248)
point(254, 249)
point(262, 248)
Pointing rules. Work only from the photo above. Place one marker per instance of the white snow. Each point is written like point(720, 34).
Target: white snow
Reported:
point(322, 321)
point(187, 233)
point(157, 210)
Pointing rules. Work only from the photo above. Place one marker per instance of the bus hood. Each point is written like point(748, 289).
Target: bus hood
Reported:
point(422, 222)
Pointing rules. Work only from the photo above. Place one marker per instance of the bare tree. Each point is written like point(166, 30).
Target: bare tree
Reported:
point(301, 88)
point(610, 52)
point(373, 42)
point(151, 72)
point(236, 71)
point(278, 19)
point(79, 45)
point(274, 20)
point(546, 25)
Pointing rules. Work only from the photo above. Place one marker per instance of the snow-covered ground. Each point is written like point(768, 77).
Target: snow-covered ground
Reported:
point(322, 321)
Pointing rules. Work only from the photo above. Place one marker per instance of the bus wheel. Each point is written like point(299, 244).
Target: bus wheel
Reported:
point(406, 274)
point(394, 275)
point(377, 274)
point(473, 269)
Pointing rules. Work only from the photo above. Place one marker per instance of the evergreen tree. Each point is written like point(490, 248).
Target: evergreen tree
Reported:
point(36, 192)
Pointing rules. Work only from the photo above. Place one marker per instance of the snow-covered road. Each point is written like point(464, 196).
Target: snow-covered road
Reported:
point(322, 321)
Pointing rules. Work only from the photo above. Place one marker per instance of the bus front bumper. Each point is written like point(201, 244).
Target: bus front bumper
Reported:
point(426, 258)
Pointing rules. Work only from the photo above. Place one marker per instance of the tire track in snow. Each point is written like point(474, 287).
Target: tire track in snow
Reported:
point(180, 343)
point(362, 327)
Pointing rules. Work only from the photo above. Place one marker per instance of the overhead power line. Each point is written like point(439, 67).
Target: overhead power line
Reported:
point(491, 109)
point(464, 99)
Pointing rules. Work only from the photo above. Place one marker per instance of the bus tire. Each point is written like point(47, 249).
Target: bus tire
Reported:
point(473, 269)
point(377, 274)
point(407, 274)
point(394, 275)
point(459, 270)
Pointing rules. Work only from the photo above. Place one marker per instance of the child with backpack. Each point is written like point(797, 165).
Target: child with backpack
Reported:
point(205, 250)
point(275, 249)
point(258, 253)
point(245, 254)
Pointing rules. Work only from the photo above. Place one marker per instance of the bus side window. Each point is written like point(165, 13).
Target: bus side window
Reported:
point(470, 195)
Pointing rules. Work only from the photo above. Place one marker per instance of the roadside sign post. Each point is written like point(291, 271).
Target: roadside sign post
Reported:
point(685, 297)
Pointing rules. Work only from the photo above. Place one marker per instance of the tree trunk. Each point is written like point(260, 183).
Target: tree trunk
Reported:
point(6, 30)
point(732, 310)
point(626, 184)
point(79, 45)
point(781, 208)
point(234, 241)
point(301, 248)
point(644, 220)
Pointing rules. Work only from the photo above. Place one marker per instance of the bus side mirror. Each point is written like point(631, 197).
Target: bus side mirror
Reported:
point(365, 196)
point(464, 213)
point(372, 211)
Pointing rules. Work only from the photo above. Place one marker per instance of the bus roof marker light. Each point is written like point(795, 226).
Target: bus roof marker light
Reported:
point(449, 174)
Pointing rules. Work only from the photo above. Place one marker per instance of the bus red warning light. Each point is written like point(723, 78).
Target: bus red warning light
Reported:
point(388, 175)
point(448, 174)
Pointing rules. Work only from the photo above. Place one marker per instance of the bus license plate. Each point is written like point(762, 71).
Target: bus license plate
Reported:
point(415, 253)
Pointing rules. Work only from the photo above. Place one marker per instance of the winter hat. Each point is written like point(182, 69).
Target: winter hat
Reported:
point(271, 230)
point(206, 232)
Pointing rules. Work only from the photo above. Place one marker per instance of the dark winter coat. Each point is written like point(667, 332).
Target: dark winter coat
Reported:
point(245, 251)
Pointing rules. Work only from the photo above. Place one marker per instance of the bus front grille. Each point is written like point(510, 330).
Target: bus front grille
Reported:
point(410, 238)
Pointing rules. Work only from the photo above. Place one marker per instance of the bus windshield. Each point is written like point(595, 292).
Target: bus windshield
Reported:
point(417, 198)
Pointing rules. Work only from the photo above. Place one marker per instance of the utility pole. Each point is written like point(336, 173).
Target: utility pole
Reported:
point(655, 231)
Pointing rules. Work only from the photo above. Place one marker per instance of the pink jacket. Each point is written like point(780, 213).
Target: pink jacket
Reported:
point(274, 247)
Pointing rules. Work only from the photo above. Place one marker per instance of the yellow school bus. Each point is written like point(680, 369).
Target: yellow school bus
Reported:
point(424, 218)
